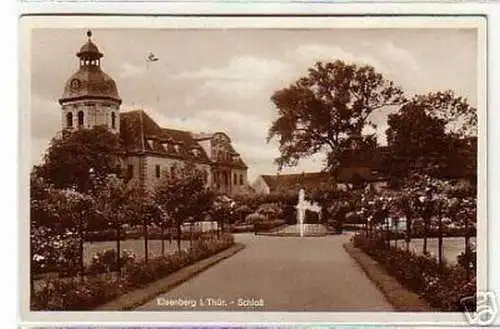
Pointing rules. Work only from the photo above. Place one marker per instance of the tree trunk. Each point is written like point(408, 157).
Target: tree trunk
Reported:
point(426, 232)
point(81, 233)
point(118, 250)
point(162, 227)
point(440, 244)
point(191, 236)
point(467, 250)
point(221, 227)
point(408, 232)
point(170, 236)
point(388, 232)
point(146, 240)
point(179, 235)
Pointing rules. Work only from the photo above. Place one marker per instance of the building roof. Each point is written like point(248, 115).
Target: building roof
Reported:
point(141, 134)
point(89, 50)
point(312, 180)
point(90, 82)
point(294, 181)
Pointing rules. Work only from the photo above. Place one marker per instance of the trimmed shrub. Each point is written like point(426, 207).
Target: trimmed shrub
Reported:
point(84, 294)
point(443, 288)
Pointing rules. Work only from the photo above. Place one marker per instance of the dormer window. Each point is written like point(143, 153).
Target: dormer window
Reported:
point(165, 146)
point(150, 143)
point(177, 148)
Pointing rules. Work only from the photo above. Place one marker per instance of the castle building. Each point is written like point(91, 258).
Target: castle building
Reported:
point(152, 153)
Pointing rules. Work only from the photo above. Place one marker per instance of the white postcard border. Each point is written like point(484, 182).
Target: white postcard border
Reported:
point(283, 318)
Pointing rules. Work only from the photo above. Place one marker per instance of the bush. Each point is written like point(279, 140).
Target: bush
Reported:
point(441, 288)
point(153, 234)
point(472, 263)
point(76, 294)
point(268, 225)
point(243, 228)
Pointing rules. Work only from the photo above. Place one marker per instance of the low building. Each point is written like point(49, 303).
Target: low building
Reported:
point(267, 184)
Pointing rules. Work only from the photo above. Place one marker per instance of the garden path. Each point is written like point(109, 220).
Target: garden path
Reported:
point(286, 274)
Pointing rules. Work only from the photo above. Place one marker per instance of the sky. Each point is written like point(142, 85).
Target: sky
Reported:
point(222, 79)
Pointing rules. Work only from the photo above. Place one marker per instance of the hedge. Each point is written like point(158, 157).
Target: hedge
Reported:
point(443, 288)
point(76, 294)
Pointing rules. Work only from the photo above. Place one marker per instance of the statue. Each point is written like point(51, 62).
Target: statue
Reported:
point(301, 210)
point(302, 206)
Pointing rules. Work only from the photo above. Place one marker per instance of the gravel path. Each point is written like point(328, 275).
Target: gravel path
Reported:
point(279, 274)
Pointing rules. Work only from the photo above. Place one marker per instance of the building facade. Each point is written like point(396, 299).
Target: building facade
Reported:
point(151, 152)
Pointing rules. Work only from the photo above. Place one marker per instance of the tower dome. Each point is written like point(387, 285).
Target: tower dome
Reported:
point(90, 82)
point(90, 96)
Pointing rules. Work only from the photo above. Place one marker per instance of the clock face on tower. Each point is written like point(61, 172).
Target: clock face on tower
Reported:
point(75, 84)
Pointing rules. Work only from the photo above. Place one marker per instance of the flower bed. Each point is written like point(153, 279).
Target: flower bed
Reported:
point(441, 288)
point(92, 291)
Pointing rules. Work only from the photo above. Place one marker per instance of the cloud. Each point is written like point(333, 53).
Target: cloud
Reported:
point(243, 76)
point(311, 53)
point(400, 57)
point(128, 70)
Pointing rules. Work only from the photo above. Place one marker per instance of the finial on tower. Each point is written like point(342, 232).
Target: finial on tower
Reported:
point(89, 34)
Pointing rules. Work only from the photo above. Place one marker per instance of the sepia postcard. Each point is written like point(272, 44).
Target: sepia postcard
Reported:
point(254, 169)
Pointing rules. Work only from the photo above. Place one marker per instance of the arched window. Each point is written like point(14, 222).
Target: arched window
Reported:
point(80, 119)
point(69, 120)
point(113, 120)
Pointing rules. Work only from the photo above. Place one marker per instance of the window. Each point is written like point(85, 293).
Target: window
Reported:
point(130, 171)
point(157, 170)
point(80, 119)
point(235, 179)
point(150, 143)
point(241, 179)
point(69, 120)
point(113, 120)
point(172, 172)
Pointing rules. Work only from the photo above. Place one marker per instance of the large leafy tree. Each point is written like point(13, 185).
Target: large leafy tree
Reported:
point(432, 134)
point(321, 111)
point(184, 196)
point(74, 155)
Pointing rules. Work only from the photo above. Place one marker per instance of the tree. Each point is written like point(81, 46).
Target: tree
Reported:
point(417, 142)
point(73, 155)
point(431, 134)
point(117, 203)
point(321, 111)
point(222, 210)
point(459, 116)
point(147, 214)
point(58, 225)
point(184, 196)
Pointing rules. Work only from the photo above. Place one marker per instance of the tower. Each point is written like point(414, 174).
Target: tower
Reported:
point(90, 96)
